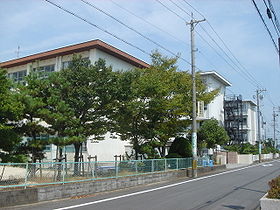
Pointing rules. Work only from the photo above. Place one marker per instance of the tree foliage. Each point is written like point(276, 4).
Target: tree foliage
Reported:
point(180, 148)
point(79, 100)
point(10, 111)
point(211, 134)
point(155, 103)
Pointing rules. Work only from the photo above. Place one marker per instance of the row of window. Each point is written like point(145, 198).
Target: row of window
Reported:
point(17, 76)
point(43, 71)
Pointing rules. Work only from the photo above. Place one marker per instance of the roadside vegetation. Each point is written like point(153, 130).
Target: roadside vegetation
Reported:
point(274, 188)
point(247, 148)
point(145, 106)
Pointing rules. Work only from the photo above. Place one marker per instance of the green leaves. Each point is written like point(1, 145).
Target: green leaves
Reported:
point(155, 103)
point(211, 133)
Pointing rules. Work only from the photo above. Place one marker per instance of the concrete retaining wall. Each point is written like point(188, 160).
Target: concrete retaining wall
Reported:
point(51, 192)
point(269, 204)
point(205, 170)
point(245, 159)
point(33, 195)
point(232, 157)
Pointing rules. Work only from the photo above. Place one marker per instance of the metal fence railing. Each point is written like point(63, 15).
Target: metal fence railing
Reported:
point(31, 174)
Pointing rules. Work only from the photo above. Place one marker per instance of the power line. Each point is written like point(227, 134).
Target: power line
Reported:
point(180, 17)
point(134, 30)
point(270, 17)
point(274, 14)
point(162, 30)
point(253, 82)
point(267, 29)
point(150, 23)
point(96, 26)
point(245, 72)
point(248, 77)
point(225, 45)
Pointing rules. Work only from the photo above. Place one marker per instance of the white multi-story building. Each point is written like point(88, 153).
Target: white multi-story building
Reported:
point(55, 60)
point(215, 109)
point(249, 121)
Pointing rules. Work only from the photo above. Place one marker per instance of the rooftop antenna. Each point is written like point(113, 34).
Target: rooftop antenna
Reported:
point(17, 52)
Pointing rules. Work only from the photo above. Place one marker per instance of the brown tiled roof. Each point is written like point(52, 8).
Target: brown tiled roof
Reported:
point(98, 44)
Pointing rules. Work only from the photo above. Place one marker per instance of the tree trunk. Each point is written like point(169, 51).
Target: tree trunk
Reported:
point(76, 159)
point(59, 165)
point(136, 147)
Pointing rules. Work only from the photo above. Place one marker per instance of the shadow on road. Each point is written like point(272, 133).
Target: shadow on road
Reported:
point(234, 207)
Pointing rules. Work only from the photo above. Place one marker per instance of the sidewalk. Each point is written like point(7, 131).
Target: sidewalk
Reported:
point(236, 165)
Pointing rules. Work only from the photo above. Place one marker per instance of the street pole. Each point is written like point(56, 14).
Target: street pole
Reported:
point(193, 23)
point(259, 124)
point(274, 133)
point(274, 115)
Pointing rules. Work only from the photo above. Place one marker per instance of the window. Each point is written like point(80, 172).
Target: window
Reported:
point(66, 64)
point(44, 71)
point(17, 76)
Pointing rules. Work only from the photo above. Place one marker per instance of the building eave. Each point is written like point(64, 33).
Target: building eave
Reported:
point(216, 76)
point(76, 48)
point(251, 102)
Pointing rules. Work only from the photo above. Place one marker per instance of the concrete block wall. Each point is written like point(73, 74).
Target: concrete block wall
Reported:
point(245, 159)
point(14, 197)
point(51, 192)
point(232, 157)
point(205, 170)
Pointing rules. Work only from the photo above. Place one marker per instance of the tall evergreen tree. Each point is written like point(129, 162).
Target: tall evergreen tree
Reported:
point(10, 111)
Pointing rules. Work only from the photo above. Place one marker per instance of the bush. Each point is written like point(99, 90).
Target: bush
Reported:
point(180, 148)
point(173, 155)
point(274, 191)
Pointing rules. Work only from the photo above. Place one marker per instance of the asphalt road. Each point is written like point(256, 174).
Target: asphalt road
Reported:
point(236, 189)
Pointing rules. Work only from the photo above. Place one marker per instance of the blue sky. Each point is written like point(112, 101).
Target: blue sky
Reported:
point(37, 26)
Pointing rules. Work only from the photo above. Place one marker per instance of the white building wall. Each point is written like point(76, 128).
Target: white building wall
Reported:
point(109, 147)
point(93, 55)
point(249, 112)
point(116, 63)
point(215, 109)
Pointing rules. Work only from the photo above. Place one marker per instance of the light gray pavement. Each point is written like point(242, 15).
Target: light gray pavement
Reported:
point(235, 189)
point(231, 166)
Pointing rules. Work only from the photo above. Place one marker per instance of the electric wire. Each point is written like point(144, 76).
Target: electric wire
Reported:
point(274, 14)
point(249, 77)
point(254, 81)
point(242, 69)
point(270, 17)
point(98, 27)
point(269, 98)
point(170, 10)
point(265, 25)
point(224, 44)
point(162, 30)
point(134, 30)
point(150, 23)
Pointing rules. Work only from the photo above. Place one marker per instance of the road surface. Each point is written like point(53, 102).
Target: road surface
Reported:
point(235, 189)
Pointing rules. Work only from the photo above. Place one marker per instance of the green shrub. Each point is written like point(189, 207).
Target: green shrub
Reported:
point(181, 147)
point(173, 155)
point(274, 191)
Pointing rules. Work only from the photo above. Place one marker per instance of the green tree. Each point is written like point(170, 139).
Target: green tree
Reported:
point(155, 103)
point(211, 133)
point(10, 111)
point(31, 124)
point(80, 97)
point(180, 148)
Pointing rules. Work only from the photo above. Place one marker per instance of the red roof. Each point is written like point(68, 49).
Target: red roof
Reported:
point(98, 44)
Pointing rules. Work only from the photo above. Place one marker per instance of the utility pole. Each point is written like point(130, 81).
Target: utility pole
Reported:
point(274, 115)
point(193, 23)
point(259, 91)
